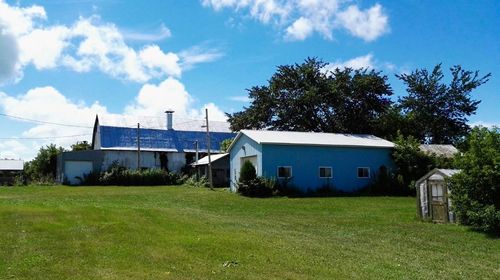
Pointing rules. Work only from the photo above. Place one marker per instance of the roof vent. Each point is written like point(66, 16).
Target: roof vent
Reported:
point(170, 120)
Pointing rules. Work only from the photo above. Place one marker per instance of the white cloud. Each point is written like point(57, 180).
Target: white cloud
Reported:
point(240, 98)
point(198, 54)
point(164, 33)
point(300, 29)
point(9, 56)
point(301, 18)
point(368, 24)
point(87, 45)
point(365, 61)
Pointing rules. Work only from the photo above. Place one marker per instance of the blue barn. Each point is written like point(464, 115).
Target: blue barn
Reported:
point(309, 161)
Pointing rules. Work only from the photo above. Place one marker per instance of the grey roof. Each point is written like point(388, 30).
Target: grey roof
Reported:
point(11, 164)
point(449, 172)
point(316, 139)
point(204, 160)
point(437, 173)
point(448, 151)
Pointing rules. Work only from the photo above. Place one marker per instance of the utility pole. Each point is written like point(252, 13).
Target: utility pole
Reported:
point(197, 157)
point(208, 151)
point(138, 147)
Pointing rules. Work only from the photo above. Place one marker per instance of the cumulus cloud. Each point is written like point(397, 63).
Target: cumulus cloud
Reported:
point(88, 44)
point(299, 19)
point(365, 61)
point(153, 100)
point(368, 24)
point(9, 56)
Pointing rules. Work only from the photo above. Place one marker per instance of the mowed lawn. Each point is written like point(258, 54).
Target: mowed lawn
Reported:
point(191, 233)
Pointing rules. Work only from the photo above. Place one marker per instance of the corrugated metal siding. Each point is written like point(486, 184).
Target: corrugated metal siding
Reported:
point(157, 139)
point(237, 152)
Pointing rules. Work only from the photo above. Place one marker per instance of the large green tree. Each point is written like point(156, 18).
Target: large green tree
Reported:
point(475, 191)
point(44, 166)
point(308, 97)
point(438, 112)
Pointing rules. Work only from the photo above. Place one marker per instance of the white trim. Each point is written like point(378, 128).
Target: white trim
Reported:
point(284, 166)
point(357, 172)
point(331, 172)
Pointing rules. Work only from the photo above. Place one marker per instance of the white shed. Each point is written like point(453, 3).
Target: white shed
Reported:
point(433, 198)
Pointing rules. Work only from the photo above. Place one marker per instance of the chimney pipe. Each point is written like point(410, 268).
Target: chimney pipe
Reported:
point(170, 121)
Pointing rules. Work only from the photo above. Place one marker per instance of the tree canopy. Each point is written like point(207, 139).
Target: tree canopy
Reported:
point(308, 97)
point(437, 112)
point(476, 189)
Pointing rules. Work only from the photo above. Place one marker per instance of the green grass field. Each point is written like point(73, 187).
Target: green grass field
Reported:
point(190, 233)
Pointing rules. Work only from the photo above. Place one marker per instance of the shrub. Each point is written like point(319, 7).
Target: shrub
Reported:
point(193, 181)
point(475, 191)
point(257, 187)
point(247, 172)
point(121, 176)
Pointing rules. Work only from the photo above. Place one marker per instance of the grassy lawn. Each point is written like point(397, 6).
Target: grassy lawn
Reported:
point(188, 233)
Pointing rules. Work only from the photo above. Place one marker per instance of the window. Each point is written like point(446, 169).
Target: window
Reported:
point(284, 171)
point(325, 172)
point(363, 172)
point(437, 192)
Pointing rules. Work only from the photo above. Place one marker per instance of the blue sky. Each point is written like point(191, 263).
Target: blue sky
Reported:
point(64, 61)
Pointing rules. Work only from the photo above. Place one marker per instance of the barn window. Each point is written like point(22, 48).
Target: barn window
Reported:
point(284, 171)
point(325, 172)
point(363, 172)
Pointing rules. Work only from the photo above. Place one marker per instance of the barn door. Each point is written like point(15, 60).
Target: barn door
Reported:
point(437, 201)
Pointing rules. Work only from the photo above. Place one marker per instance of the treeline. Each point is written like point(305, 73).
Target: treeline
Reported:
point(311, 97)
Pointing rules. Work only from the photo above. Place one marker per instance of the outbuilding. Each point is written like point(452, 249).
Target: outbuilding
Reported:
point(309, 161)
point(220, 168)
point(433, 196)
point(9, 169)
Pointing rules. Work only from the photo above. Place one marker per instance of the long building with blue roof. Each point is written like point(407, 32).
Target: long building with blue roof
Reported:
point(151, 145)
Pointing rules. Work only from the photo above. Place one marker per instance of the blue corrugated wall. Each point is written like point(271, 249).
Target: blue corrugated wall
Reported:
point(306, 160)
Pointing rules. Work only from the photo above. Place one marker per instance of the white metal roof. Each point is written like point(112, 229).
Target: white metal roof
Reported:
point(449, 172)
point(440, 150)
point(11, 164)
point(204, 160)
point(316, 138)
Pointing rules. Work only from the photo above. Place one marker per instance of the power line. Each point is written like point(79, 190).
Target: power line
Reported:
point(43, 122)
point(43, 138)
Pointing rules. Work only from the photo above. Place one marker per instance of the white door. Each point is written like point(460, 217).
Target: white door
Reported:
point(73, 169)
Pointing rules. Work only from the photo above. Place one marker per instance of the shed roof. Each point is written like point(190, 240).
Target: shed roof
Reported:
point(437, 171)
point(204, 160)
point(11, 164)
point(316, 139)
point(125, 138)
point(440, 150)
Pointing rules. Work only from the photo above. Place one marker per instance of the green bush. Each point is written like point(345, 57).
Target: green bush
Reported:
point(475, 191)
point(193, 181)
point(257, 187)
point(121, 176)
point(247, 172)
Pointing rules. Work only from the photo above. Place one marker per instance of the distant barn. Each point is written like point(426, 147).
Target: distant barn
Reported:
point(159, 145)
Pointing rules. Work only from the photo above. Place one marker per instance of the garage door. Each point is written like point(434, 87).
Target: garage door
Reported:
point(75, 169)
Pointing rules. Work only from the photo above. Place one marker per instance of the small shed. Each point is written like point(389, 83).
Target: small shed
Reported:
point(9, 169)
point(220, 169)
point(433, 198)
